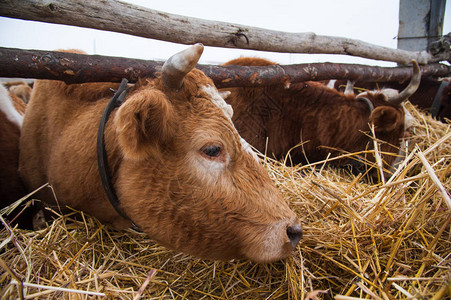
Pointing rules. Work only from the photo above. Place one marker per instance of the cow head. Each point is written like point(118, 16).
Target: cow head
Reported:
point(188, 179)
point(388, 114)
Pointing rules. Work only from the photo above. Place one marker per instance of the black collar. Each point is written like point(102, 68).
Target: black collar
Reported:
point(102, 158)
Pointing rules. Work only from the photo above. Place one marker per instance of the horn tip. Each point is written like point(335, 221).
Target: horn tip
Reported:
point(178, 65)
point(416, 67)
point(199, 48)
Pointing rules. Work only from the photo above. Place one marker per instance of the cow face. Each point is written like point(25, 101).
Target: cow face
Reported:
point(386, 116)
point(389, 121)
point(390, 117)
point(189, 180)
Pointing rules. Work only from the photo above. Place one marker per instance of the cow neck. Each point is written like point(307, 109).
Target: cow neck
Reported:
point(102, 158)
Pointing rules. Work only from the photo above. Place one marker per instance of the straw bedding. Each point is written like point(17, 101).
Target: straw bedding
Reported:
point(388, 238)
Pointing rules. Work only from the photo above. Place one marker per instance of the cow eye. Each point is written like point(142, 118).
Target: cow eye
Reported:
point(212, 150)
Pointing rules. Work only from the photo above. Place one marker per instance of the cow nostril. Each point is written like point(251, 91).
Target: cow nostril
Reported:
point(294, 233)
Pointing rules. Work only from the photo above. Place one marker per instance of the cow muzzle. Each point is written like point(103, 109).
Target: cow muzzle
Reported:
point(294, 234)
point(276, 242)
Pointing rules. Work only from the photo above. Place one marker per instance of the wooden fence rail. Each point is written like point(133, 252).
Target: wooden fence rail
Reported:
point(77, 68)
point(126, 18)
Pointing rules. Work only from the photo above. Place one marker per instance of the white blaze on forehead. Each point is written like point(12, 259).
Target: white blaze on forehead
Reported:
point(6, 106)
point(248, 148)
point(218, 100)
point(227, 109)
point(390, 93)
point(213, 167)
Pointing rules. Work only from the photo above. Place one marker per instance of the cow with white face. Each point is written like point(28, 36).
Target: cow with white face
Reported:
point(179, 168)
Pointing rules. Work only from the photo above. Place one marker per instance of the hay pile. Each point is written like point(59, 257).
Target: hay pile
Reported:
point(383, 240)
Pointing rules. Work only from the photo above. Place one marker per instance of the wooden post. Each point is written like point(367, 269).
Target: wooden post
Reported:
point(420, 23)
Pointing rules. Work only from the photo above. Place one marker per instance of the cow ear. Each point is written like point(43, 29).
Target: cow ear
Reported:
point(386, 118)
point(144, 124)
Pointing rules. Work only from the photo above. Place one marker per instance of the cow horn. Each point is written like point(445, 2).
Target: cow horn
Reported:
point(177, 66)
point(224, 94)
point(411, 88)
point(349, 90)
point(367, 102)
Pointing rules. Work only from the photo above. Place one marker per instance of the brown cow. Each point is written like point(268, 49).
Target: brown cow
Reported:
point(180, 169)
point(11, 186)
point(274, 119)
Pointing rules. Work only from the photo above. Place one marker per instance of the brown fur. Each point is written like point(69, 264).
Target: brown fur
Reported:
point(249, 61)
point(18, 103)
point(11, 185)
point(219, 208)
point(275, 119)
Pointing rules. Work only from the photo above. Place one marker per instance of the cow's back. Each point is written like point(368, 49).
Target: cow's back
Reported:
point(275, 119)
